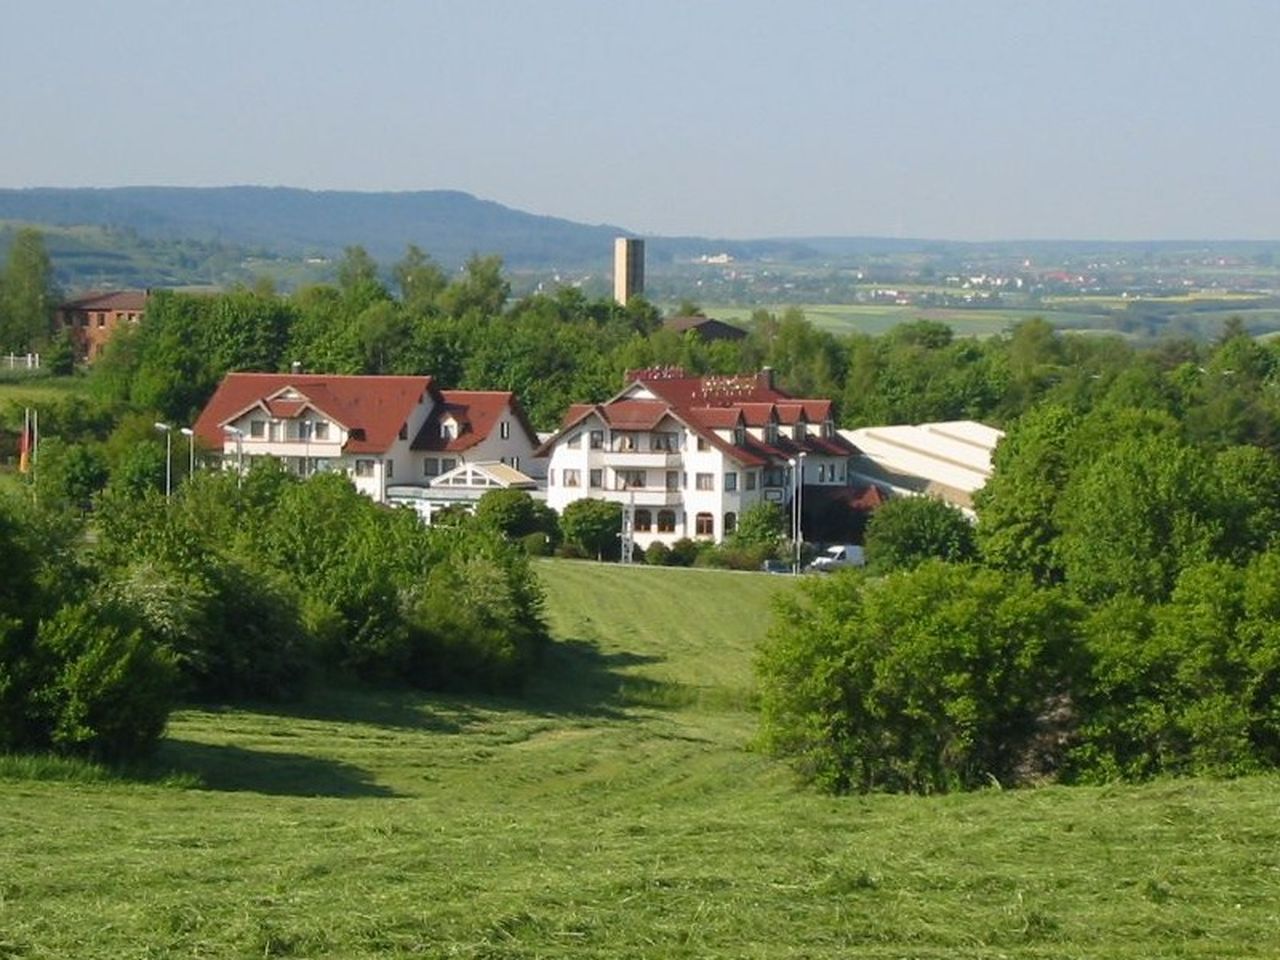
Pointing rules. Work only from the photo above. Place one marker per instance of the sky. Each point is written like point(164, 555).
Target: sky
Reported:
point(951, 119)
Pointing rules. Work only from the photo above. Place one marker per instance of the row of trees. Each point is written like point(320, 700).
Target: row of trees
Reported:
point(242, 589)
point(1112, 614)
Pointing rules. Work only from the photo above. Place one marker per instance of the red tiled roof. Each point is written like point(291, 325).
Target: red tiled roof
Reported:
point(372, 409)
point(716, 418)
point(132, 300)
point(707, 404)
point(758, 414)
point(635, 414)
point(475, 412)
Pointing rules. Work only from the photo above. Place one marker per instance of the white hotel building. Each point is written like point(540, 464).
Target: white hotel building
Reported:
point(687, 455)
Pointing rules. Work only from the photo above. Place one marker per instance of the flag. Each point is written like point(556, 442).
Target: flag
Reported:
point(24, 443)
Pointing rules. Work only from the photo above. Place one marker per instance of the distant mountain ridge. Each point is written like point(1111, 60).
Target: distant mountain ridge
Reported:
point(450, 225)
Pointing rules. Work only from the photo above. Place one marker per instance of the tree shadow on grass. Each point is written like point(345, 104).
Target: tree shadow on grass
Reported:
point(229, 768)
point(575, 677)
point(403, 708)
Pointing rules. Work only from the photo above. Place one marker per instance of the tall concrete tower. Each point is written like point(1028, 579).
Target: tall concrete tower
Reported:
point(628, 269)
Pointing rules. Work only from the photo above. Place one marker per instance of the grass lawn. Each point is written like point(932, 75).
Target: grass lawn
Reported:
point(616, 810)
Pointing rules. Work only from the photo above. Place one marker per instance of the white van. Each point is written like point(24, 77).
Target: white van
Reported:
point(837, 556)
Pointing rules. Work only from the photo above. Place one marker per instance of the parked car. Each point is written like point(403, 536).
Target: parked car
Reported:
point(837, 556)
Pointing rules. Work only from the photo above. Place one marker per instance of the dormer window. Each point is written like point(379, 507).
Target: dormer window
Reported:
point(448, 429)
point(797, 431)
point(739, 436)
point(504, 430)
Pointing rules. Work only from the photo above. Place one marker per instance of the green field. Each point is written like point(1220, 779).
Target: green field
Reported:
point(616, 810)
point(875, 319)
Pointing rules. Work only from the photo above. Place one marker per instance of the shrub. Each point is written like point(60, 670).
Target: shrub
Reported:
point(109, 689)
point(536, 544)
point(906, 531)
point(683, 552)
point(927, 680)
point(594, 526)
point(658, 554)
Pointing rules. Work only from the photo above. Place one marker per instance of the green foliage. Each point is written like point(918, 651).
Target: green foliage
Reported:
point(28, 294)
point(1190, 686)
point(763, 524)
point(906, 531)
point(684, 552)
point(657, 554)
point(593, 526)
point(109, 690)
point(933, 679)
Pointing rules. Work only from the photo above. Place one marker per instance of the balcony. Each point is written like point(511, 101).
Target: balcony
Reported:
point(647, 497)
point(641, 459)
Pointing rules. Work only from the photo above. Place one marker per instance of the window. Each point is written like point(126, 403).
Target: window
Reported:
point(431, 466)
point(404, 431)
point(703, 445)
point(596, 479)
point(770, 433)
point(666, 521)
point(102, 320)
point(257, 429)
point(515, 463)
point(730, 524)
point(597, 439)
point(704, 525)
point(447, 464)
point(730, 482)
point(504, 430)
point(644, 521)
point(624, 442)
point(673, 479)
point(390, 469)
point(828, 429)
point(448, 429)
point(822, 473)
point(572, 441)
point(628, 479)
point(320, 430)
point(739, 436)
point(277, 430)
point(705, 481)
point(749, 480)
point(775, 477)
point(572, 478)
point(797, 432)
point(668, 442)
point(364, 468)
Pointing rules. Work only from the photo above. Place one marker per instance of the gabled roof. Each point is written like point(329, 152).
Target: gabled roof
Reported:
point(475, 412)
point(372, 409)
point(705, 327)
point(131, 300)
point(711, 403)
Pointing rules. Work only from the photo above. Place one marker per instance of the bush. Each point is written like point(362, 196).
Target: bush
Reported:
point(536, 544)
point(109, 689)
point(658, 554)
point(906, 531)
point(934, 679)
point(684, 552)
point(594, 526)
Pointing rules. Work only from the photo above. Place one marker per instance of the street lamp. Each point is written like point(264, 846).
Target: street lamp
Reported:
point(239, 435)
point(168, 455)
point(797, 502)
point(191, 450)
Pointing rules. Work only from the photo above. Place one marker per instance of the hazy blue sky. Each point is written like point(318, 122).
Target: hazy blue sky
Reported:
point(966, 119)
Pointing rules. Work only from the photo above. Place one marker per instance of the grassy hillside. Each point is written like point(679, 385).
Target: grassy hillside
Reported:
point(617, 810)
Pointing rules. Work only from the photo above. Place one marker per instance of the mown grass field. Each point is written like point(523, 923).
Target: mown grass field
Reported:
point(617, 809)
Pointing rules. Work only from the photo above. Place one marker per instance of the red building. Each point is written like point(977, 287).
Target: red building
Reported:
point(93, 318)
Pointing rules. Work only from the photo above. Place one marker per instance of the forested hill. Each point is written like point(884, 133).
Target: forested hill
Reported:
point(450, 225)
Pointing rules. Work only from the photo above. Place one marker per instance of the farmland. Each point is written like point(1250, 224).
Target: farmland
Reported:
point(617, 808)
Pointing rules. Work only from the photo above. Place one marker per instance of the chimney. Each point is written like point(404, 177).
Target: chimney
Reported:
point(766, 375)
point(296, 367)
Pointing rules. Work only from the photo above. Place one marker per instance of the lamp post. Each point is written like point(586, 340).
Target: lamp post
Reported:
point(191, 450)
point(239, 435)
point(168, 456)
